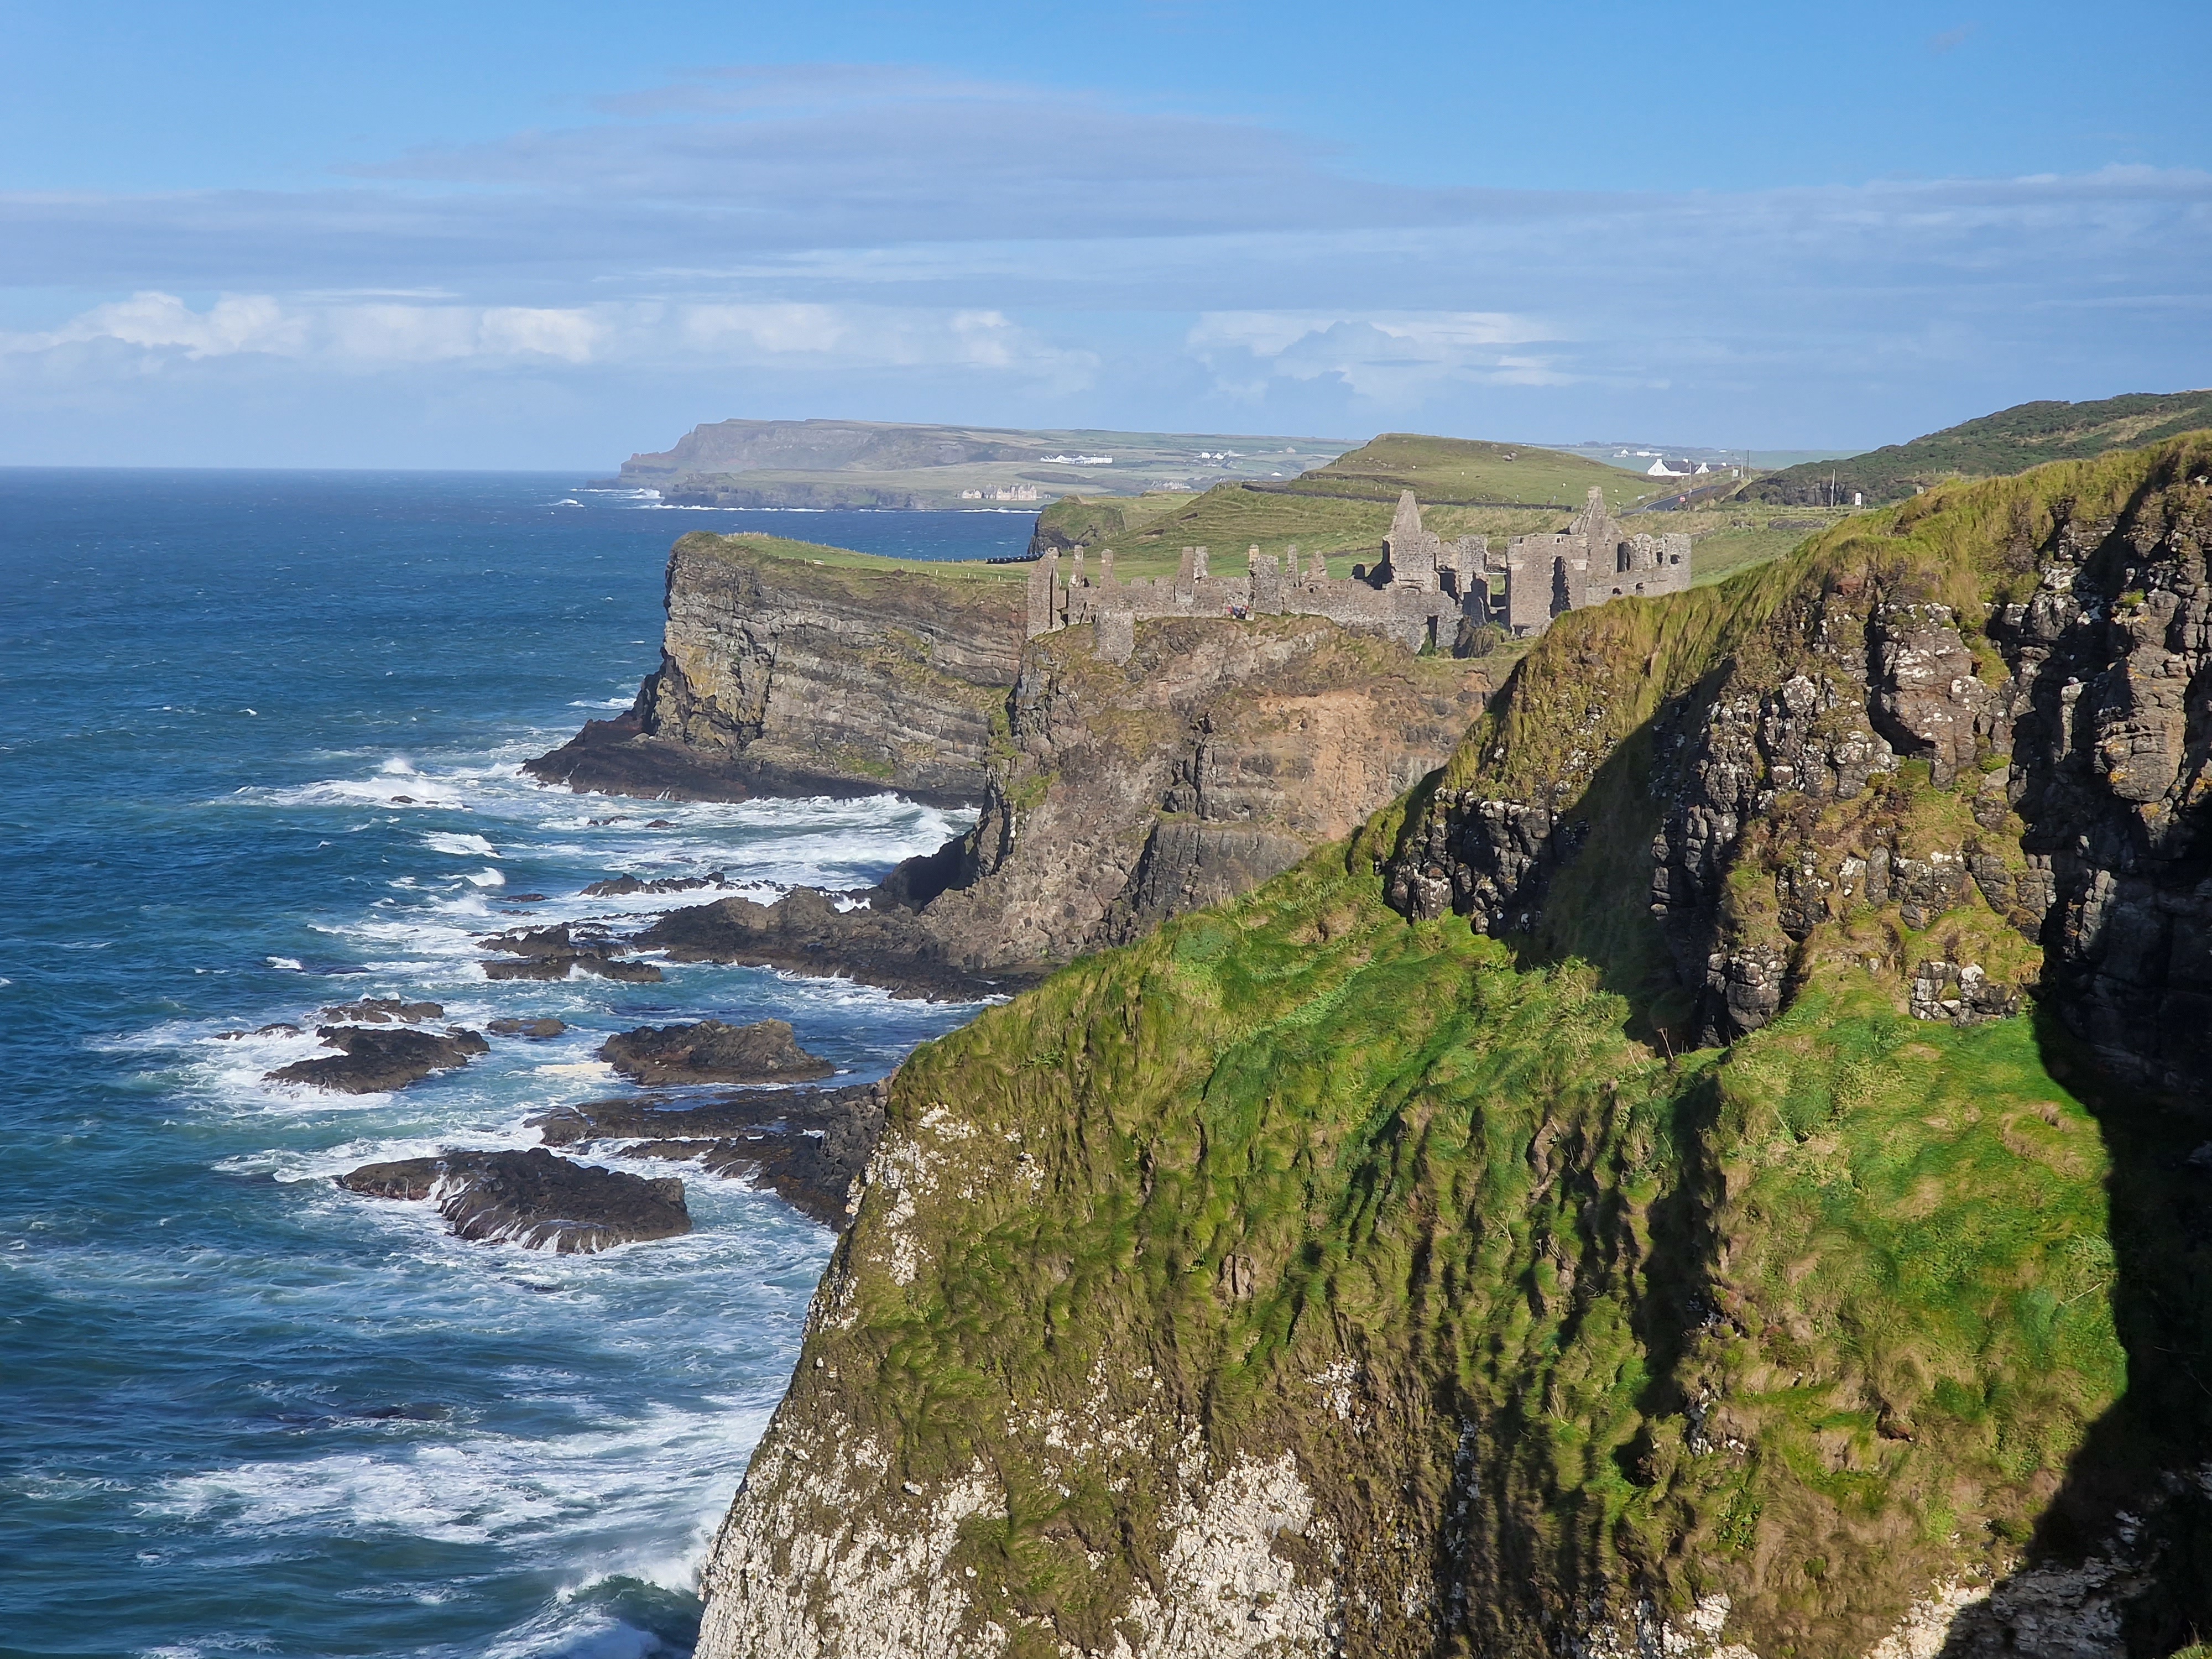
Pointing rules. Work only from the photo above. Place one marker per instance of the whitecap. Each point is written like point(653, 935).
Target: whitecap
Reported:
point(461, 846)
point(290, 964)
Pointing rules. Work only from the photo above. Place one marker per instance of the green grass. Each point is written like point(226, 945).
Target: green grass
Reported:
point(1470, 1183)
point(752, 546)
point(1465, 472)
point(2025, 435)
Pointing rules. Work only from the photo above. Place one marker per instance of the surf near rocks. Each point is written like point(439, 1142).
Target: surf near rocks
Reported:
point(532, 1199)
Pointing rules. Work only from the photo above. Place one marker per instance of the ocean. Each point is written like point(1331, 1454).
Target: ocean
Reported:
point(261, 757)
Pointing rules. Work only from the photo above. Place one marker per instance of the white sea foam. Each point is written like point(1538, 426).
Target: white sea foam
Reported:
point(477, 1488)
point(461, 846)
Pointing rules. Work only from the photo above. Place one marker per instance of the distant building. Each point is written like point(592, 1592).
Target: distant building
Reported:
point(1659, 468)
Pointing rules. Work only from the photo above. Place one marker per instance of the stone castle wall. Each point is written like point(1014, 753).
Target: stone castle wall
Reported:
point(1420, 595)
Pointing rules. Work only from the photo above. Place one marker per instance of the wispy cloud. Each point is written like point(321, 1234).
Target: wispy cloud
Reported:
point(1391, 359)
point(157, 328)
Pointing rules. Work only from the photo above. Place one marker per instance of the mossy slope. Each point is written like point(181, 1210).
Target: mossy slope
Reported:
point(1577, 1338)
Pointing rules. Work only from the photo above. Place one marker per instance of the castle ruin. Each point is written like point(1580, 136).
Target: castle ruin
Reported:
point(1424, 593)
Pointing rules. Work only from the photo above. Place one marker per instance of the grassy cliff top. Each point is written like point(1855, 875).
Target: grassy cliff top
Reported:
point(751, 546)
point(1467, 472)
point(2025, 435)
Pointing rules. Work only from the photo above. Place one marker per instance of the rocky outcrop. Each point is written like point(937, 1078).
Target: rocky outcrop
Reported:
point(560, 951)
point(537, 1030)
point(781, 677)
point(373, 1059)
point(382, 1011)
point(878, 942)
point(532, 1199)
point(808, 1146)
point(707, 1051)
point(1126, 791)
point(1964, 745)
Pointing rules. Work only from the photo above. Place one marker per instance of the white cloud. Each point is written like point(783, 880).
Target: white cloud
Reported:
point(1398, 358)
point(150, 329)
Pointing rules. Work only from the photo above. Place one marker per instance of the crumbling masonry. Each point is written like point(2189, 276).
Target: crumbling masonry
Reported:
point(1425, 593)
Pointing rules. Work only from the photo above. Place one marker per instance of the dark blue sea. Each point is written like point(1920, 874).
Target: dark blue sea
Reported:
point(259, 756)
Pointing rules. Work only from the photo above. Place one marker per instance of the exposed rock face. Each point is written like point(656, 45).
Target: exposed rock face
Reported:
point(373, 1059)
point(1217, 755)
point(808, 1146)
point(2018, 737)
point(784, 679)
point(708, 1051)
point(532, 1199)
point(805, 932)
point(534, 1028)
point(380, 1011)
point(555, 952)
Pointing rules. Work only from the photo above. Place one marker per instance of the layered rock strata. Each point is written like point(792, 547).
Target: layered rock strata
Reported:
point(1125, 792)
point(783, 677)
point(1980, 772)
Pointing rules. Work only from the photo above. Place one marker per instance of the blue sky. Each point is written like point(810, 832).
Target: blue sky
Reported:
point(509, 235)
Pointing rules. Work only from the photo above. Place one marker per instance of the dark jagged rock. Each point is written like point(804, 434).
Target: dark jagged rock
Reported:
point(554, 953)
point(808, 1146)
point(532, 1199)
point(374, 1059)
point(623, 886)
point(527, 1028)
point(283, 1028)
point(381, 1011)
point(804, 932)
point(767, 1051)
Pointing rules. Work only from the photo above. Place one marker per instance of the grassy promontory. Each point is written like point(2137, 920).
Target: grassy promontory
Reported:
point(1561, 1326)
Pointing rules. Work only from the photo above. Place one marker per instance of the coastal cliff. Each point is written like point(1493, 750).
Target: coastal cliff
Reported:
point(1111, 795)
point(1712, 1172)
point(790, 670)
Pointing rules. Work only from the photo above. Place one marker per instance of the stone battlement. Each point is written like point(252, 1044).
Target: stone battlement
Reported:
point(1425, 593)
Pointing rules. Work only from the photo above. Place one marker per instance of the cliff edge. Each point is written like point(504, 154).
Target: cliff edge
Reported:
point(791, 670)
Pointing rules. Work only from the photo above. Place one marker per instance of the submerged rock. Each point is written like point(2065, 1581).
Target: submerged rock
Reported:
point(527, 1028)
point(379, 1011)
point(283, 1028)
point(808, 1146)
point(373, 1059)
point(623, 886)
point(711, 1052)
point(552, 953)
point(532, 1199)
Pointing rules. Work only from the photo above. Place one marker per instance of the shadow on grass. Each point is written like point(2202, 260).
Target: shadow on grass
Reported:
point(2130, 1525)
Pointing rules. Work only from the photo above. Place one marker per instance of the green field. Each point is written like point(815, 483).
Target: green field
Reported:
point(1463, 472)
point(2010, 440)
